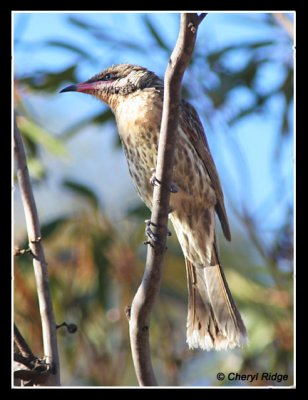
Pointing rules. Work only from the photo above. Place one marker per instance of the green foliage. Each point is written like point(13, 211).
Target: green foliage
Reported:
point(50, 81)
point(99, 35)
point(249, 77)
point(70, 47)
point(52, 227)
point(98, 119)
point(39, 136)
point(83, 191)
point(156, 35)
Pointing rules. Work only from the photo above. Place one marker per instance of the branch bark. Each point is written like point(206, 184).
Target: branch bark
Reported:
point(148, 290)
point(39, 263)
point(22, 345)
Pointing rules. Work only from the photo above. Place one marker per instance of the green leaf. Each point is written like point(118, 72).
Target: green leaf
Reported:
point(140, 211)
point(36, 168)
point(248, 111)
point(50, 81)
point(159, 40)
point(70, 47)
point(260, 44)
point(99, 119)
point(82, 190)
point(80, 24)
point(52, 226)
point(120, 42)
point(31, 147)
point(105, 36)
point(39, 135)
point(117, 144)
point(285, 129)
point(216, 55)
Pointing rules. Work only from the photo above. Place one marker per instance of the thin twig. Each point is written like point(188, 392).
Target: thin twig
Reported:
point(287, 24)
point(144, 299)
point(39, 262)
point(201, 17)
point(21, 359)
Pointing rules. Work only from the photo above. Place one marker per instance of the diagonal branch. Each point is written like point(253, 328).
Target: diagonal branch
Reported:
point(22, 345)
point(287, 23)
point(145, 297)
point(201, 17)
point(39, 262)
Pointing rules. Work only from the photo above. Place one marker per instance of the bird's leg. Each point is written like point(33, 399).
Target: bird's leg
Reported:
point(154, 181)
point(150, 234)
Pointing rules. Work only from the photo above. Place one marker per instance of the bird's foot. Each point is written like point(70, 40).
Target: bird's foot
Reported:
point(150, 234)
point(154, 182)
point(173, 188)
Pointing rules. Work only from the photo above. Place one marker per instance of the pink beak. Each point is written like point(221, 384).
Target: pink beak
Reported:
point(80, 87)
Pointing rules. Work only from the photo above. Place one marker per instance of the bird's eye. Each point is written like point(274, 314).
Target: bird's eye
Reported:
point(107, 77)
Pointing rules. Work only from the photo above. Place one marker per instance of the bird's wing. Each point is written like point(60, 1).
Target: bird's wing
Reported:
point(192, 126)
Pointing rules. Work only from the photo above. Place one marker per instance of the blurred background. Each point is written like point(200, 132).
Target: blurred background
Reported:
point(240, 80)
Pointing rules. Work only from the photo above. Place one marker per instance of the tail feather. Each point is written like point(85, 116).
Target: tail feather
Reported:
point(213, 320)
point(200, 322)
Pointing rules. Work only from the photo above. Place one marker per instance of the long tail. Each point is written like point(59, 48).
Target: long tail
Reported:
point(213, 320)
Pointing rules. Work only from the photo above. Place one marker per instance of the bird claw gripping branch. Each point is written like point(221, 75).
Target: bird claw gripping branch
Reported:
point(154, 181)
point(150, 234)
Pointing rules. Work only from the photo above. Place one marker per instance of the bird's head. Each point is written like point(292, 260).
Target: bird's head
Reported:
point(117, 80)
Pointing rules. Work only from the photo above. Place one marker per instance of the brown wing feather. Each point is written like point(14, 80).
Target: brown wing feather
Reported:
point(192, 126)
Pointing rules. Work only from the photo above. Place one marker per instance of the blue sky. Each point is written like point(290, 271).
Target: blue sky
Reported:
point(91, 153)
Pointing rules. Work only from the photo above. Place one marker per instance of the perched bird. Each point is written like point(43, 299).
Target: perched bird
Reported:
point(135, 95)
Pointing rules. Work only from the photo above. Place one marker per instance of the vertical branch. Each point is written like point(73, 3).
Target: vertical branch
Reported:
point(39, 262)
point(144, 299)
